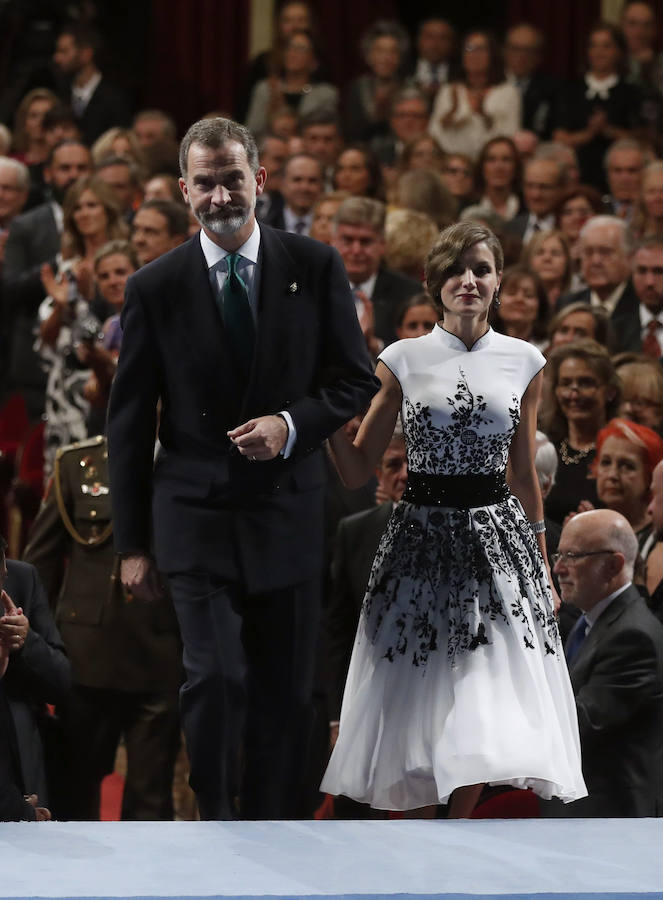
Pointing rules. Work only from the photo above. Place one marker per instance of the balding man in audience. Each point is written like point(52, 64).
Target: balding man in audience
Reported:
point(358, 235)
point(615, 658)
point(543, 181)
point(606, 249)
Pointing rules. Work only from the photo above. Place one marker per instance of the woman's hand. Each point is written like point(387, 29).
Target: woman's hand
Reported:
point(447, 120)
point(56, 288)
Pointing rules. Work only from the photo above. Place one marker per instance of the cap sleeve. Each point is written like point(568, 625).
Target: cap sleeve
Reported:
point(393, 358)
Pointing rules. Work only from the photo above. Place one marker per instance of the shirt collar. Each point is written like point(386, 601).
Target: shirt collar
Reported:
point(84, 92)
point(366, 287)
point(454, 342)
point(214, 254)
point(611, 301)
point(602, 605)
point(646, 317)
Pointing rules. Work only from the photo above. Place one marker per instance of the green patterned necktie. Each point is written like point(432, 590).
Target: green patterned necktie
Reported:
point(237, 318)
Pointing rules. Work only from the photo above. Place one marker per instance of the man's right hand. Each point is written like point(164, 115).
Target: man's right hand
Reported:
point(41, 813)
point(140, 577)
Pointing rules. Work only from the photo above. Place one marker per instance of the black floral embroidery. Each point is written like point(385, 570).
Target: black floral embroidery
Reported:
point(468, 444)
point(447, 577)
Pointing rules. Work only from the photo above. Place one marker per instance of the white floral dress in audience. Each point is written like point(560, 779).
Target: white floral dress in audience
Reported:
point(458, 675)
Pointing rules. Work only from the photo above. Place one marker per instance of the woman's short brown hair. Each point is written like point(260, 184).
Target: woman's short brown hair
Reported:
point(453, 242)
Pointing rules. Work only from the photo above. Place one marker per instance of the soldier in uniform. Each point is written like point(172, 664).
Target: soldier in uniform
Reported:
point(125, 655)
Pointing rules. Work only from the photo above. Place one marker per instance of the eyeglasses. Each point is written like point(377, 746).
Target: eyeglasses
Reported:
point(571, 556)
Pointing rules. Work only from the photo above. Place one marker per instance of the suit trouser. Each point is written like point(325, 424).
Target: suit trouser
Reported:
point(246, 703)
point(94, 723)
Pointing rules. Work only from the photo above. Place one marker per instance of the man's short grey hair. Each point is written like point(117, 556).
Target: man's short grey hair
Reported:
point(214, 133)
point(361, 211)
point(386, 28)
point(622, 144)
point(545, 463)
point(625, 234)
point(20, 171)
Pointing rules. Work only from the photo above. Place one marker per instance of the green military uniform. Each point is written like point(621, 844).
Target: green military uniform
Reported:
point(125, 654)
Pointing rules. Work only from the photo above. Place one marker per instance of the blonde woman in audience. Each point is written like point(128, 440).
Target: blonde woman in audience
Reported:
point(642, 390)
point(29, 141)
point(71, 315)
point(547, 253)
point(118, 142)
point(481, 106)
point(409, 237)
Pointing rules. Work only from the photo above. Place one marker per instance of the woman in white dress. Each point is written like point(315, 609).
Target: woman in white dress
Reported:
point(457, 677)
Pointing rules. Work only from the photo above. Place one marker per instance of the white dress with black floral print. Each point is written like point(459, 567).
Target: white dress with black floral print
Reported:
point(457, 675)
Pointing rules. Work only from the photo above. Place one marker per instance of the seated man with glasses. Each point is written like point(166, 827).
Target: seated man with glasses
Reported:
point(615, 658)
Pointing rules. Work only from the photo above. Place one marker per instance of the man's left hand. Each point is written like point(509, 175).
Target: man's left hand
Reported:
point(260, 439)
point(14, 626)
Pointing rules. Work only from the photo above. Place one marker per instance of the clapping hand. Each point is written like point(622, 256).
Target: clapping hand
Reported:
point(6, 641)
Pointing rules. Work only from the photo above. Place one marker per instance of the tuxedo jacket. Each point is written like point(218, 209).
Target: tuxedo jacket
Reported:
point(539, 101)
point(355, 547)
point(625, 318)
point(258, 523)
point(391, 289)
point(617, 679)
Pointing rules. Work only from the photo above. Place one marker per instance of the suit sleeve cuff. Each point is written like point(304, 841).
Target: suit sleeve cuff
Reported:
point(292, 434)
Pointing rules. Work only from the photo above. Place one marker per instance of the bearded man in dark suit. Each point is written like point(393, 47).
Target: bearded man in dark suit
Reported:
point(249, 339)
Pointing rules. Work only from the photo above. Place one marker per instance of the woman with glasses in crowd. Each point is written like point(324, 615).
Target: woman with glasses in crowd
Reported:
point(480, 106)
point(582, 394)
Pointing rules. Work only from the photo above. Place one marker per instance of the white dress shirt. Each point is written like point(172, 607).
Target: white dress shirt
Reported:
point(82, 94)
point(291, 219)
point(611, 301)
point(248, 269)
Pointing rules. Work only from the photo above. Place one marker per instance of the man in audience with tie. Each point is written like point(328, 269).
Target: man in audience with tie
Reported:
point(606, 250)
point(543, 180)
point(615, 658)
point(248, 338)
point(648, 286)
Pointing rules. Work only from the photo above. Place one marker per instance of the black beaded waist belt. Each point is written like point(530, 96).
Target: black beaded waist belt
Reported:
point(457, 491)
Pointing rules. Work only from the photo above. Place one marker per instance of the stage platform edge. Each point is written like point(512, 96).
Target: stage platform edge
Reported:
point(550, 859)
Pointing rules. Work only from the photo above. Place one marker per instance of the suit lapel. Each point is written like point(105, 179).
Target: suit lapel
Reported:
point(603, 624)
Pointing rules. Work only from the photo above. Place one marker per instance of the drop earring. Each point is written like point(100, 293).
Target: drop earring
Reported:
point(496, 300)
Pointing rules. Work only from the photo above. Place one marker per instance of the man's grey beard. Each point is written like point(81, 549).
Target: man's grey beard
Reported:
point(221, 224)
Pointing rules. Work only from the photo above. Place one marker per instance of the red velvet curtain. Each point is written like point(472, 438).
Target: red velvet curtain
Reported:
point(198, 51)
point(565, 24)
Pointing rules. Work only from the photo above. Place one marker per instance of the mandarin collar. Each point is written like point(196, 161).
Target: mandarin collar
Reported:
point(455, 343)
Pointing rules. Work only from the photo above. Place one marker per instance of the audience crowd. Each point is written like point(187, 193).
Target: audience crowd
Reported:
point(439, 128)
